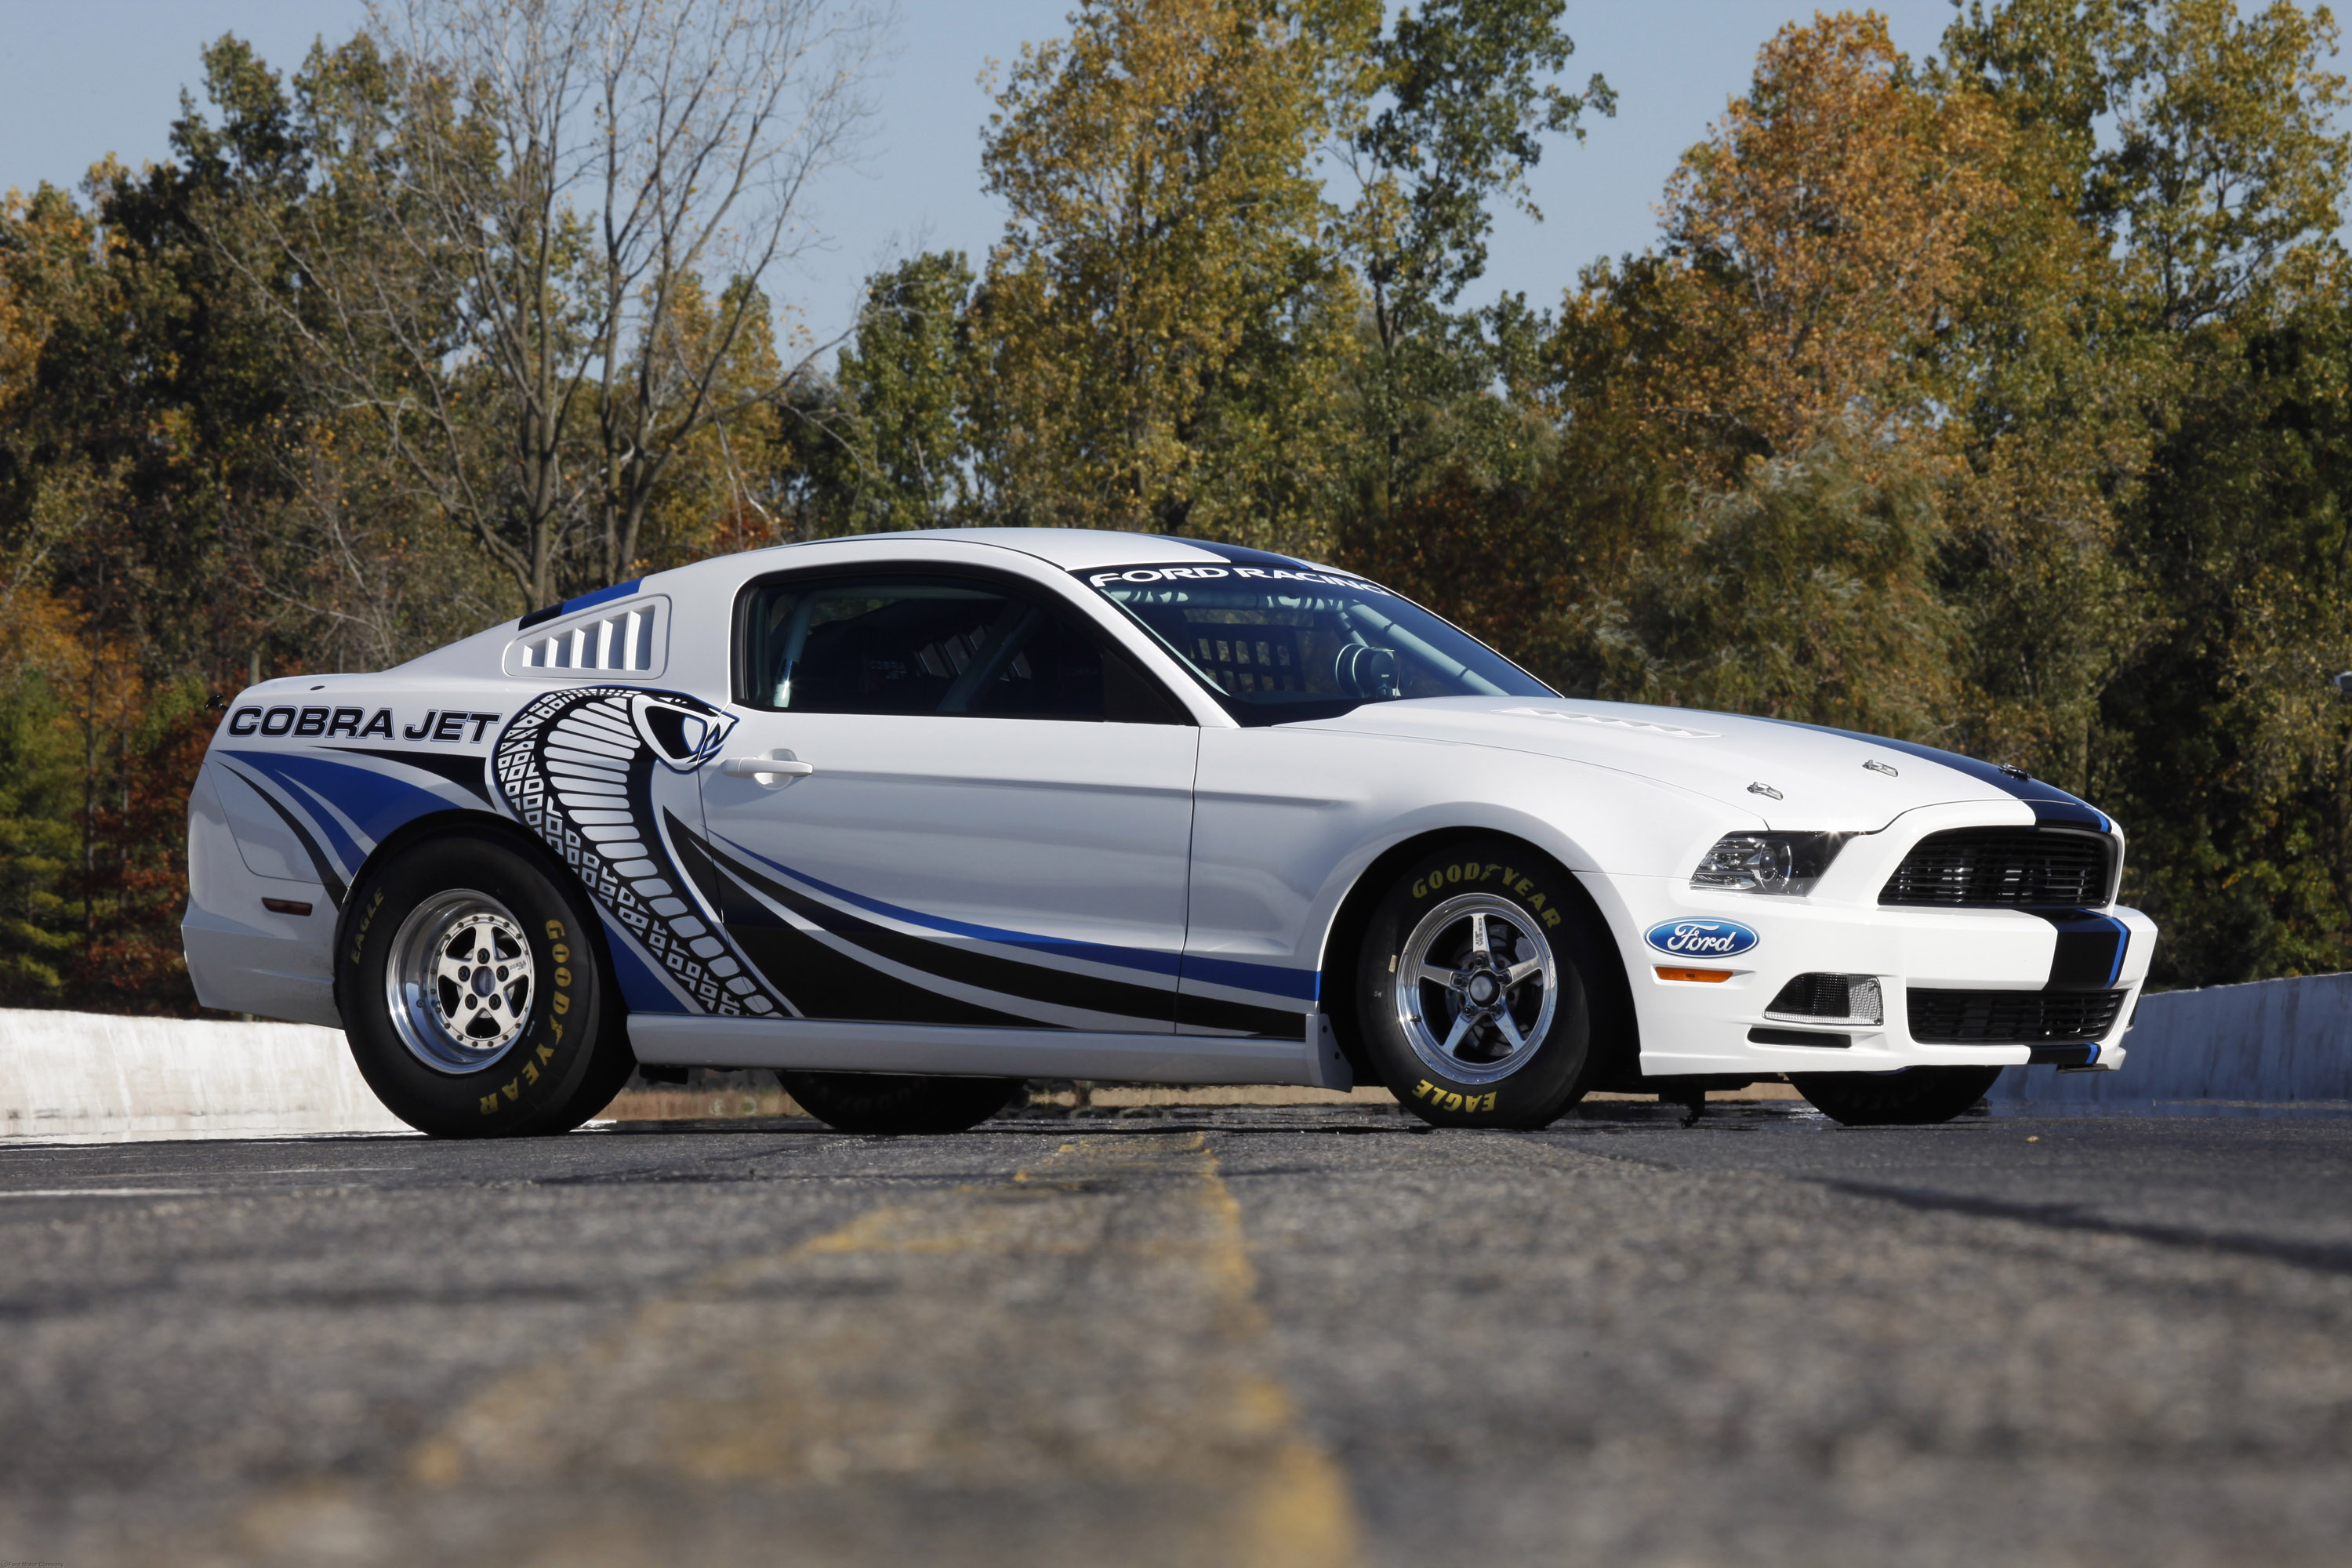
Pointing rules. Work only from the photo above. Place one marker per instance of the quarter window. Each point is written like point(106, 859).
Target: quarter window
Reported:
point(935, 644)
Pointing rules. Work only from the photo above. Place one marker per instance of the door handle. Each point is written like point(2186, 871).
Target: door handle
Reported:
point(772, 772)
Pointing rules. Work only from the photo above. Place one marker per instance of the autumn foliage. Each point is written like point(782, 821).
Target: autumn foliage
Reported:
point(1994, 398)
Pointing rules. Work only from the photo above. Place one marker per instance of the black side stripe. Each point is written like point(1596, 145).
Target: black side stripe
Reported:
point(319, 861)
point(1148, 1008)
point(826, 983)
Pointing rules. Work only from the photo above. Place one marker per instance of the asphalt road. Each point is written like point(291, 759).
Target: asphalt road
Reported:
point(1275, 1337)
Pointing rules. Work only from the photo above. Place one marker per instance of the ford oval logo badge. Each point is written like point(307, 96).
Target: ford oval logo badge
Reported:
point(1701, 939)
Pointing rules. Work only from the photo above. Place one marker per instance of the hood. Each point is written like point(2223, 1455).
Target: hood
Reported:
point(1825, 779)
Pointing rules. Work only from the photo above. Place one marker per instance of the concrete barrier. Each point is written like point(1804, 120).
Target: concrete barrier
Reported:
point(90, 1076)
point(2274, 1042)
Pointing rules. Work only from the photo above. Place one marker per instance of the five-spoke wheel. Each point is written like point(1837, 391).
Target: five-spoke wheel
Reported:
point(1476, 987)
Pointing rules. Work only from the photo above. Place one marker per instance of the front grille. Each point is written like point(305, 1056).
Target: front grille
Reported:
point(2004, 868)
point(1951, 1017)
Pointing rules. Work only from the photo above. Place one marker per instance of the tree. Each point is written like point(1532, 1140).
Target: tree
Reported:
point(2228, 162)
point(2152, 532)
point(1454, 110)
point(888, 444)
point(1740, 502)
point(1827, 228)
point(1805, 593)
point(1151, 338)
point(514, 201)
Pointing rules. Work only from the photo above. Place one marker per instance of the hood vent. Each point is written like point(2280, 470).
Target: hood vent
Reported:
point(632, 641)
point(1611, 722)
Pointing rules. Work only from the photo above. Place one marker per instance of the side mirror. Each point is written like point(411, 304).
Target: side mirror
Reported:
point(2343, 684)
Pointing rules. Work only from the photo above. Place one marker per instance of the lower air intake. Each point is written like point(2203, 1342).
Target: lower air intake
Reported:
point(2011, 1017)
point(1849, 998)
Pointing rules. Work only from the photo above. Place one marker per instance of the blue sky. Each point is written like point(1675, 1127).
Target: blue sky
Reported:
point(83, 78)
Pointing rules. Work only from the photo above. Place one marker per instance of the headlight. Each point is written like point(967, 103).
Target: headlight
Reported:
point(1767, 862)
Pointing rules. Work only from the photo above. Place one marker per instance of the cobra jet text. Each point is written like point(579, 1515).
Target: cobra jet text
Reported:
point(438, 724)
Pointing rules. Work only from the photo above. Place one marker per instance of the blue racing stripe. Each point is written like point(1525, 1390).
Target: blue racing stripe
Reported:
point(1097, 953)
point(320, 813)
point(601, 596)
point(1267, 979)
point(376, 803)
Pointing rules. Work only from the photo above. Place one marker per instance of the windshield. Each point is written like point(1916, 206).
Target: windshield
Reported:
point(1275, 643)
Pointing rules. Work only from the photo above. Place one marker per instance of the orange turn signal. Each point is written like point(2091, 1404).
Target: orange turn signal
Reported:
point(1704, 976)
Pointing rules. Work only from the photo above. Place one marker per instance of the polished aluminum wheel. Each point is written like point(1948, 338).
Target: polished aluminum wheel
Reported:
point(459, 981)
point(1475, 988)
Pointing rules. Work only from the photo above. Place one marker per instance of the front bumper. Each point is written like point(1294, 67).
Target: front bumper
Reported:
point(1703, 1028)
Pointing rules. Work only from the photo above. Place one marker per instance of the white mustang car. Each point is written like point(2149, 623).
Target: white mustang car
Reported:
point(911, 818)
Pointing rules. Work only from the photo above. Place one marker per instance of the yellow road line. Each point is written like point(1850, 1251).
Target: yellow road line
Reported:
point(1088, 1331)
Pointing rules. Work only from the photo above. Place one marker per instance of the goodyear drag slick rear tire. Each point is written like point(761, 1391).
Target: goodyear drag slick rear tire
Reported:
point(1481, 991)
point(882, 1102)
point(476, 994)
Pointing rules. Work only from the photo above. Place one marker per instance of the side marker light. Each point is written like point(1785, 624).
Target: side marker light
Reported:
point(1704, 976)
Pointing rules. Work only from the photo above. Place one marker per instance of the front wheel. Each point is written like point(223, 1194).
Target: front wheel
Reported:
point(474, 996)
point(1915, 1097)
point(883, 1102)
point(1481, 989)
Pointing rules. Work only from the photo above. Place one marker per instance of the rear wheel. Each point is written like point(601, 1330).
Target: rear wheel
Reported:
point(1481, 988)
point(1917, 1097)
point(474, 994)
point(898, 1102)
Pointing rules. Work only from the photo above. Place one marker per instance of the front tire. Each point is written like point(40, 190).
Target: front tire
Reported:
point(881, 1102)
point(1915, 1097)
point(1482, 991)
point(476, 994)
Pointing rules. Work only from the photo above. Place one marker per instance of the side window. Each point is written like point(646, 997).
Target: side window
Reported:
point(935, 644)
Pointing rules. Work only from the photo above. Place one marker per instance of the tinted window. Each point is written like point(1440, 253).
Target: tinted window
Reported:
point(935, 644)
point(1276, 643)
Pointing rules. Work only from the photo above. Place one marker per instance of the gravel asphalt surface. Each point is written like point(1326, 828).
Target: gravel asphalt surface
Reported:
point(1268, 1336)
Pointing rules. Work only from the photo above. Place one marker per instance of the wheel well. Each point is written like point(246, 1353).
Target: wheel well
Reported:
point(480, 823)
point(1346, 936)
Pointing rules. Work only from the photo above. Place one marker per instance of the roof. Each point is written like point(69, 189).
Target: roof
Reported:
point(1077, 549)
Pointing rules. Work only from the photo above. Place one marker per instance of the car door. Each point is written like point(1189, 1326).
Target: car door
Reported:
point(948, 799)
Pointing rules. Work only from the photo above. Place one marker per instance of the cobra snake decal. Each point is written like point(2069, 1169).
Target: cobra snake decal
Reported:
point(581, 768)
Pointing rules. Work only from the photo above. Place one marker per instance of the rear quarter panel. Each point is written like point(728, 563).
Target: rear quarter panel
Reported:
point(304, 779)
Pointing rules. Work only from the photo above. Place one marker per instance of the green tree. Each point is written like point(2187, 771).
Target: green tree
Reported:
point(2195, 147)
point(1805, 593)
point(1456, 103)
point(887, 443)
point(1153, 341)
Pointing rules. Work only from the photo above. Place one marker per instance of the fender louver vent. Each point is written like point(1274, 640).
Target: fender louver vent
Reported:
point(628, 642)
